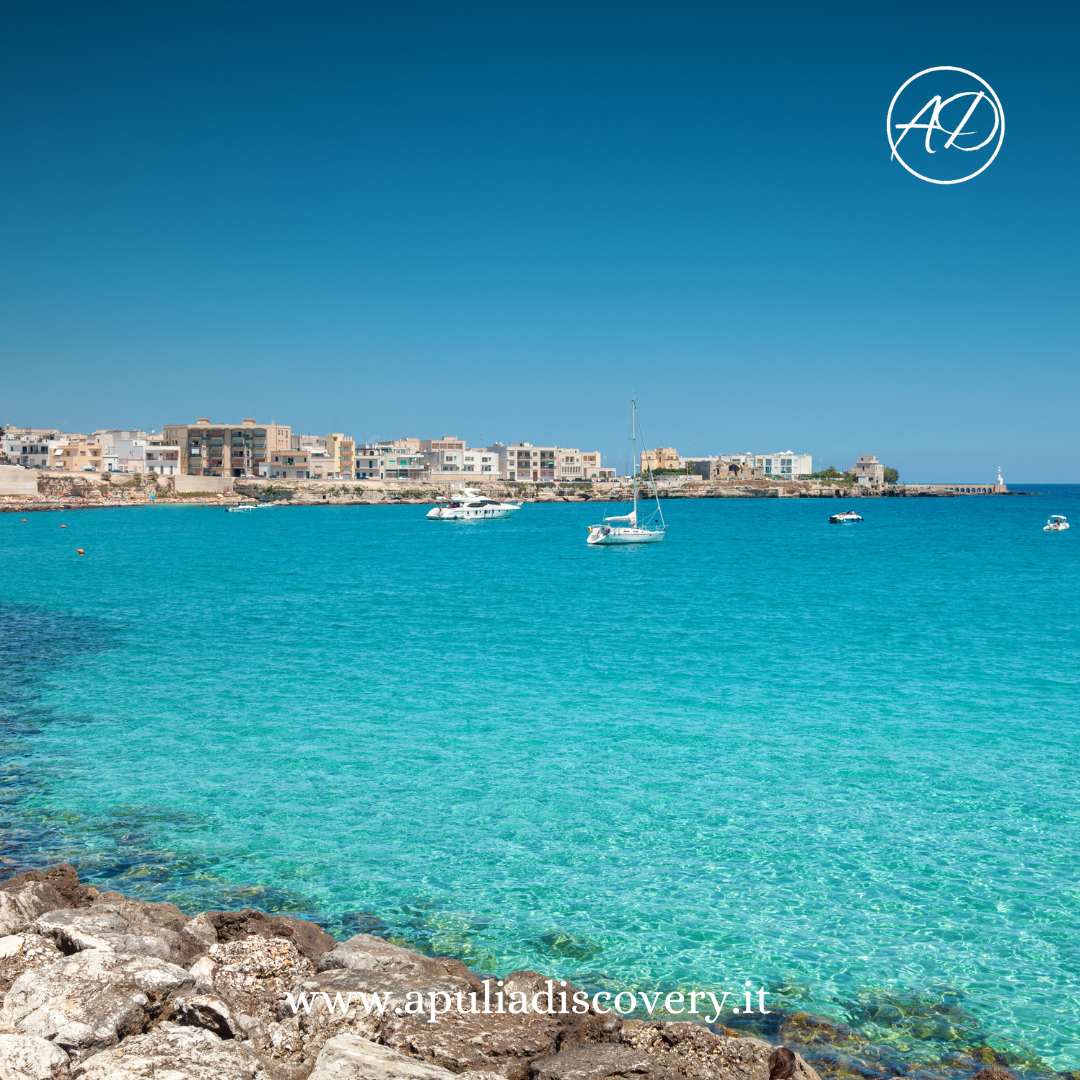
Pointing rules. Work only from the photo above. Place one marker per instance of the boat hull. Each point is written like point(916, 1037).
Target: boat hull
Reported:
point(599, 537)
point(478, 514)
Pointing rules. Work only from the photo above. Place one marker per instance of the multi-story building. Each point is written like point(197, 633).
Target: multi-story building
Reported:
point(28, 447)
point(449, 458)
point(75, 453)
point(398, 459)
point(342, 451)
point(208, 449)
point(162, 458)
point(127, 450)
point(123, 450)
point(547, 464)
point(784, 465)
point(869, 472)
point(330, 457)
point(289, 465)
point(663, 458)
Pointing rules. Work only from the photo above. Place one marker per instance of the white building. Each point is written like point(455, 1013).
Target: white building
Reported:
point(449, 458)
point(784, 465)
point(523, 461)
point(130, 451)
point(396, 459)
point(28, 447)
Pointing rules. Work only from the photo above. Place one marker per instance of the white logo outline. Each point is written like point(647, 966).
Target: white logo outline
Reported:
point(995, 101)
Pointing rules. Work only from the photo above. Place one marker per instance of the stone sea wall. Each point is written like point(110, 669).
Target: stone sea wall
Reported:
point(99, 986)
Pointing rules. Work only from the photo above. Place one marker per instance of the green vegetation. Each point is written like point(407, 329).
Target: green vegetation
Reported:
point(832, 473)
point(892, 476)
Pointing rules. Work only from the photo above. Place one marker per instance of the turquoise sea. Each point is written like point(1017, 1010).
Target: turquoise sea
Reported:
point(840, 761)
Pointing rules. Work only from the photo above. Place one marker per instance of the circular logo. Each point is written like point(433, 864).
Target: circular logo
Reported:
point(945, 125)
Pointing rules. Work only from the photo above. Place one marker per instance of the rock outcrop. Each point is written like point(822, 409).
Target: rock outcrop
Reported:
point(175, 1052)
point(98, 986)
point(91, 1000)
point(29, 1057)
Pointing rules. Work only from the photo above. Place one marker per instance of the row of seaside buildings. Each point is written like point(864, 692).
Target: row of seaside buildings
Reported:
point(274, 451)
point(867, 472)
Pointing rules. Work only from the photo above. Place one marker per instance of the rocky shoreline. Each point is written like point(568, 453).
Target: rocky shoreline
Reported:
point(97, 491)
point(99, 986)
point(96, 985)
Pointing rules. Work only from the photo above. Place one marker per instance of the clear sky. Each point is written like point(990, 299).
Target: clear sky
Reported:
point(501, 220)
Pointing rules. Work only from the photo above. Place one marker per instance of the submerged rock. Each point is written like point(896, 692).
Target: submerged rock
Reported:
point(176, 1053)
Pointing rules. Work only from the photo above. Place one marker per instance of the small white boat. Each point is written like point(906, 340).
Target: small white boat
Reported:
point(624, 528)
point(845, 517)
point(240, 508)
point(471, 506)
point(1056, 523)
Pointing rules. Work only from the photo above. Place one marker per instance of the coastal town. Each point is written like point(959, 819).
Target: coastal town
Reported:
point(206, 460)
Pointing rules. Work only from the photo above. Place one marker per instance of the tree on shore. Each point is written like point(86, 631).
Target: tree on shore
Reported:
point(892, 476)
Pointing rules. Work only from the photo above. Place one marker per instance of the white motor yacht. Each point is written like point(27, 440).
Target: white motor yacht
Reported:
point(469, 505)
point(845, 517)
point(1056, 523)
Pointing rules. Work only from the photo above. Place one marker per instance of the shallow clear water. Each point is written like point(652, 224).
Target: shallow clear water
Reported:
point(838, 760)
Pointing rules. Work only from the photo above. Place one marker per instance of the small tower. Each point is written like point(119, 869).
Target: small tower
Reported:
point(999, 486)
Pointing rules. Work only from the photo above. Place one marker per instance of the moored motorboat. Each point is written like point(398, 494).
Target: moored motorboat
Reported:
point(469, 505)
point(240, 508)
point(845, 517)
point(1056, 523)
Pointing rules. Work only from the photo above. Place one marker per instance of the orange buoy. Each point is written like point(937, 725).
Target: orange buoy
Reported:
point(80, 551)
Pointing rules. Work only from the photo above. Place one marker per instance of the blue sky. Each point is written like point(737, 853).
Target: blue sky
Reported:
point(500, 221)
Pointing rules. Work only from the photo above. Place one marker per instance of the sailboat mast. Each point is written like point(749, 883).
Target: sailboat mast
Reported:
point(633, 452)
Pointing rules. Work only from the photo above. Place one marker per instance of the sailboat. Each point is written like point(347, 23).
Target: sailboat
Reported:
point(624, 528)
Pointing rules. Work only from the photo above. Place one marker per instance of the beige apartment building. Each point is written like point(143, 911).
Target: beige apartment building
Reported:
point(76, 453)
point(662, 458)
point(329, 457)
point(289, 465)
point(547, 464)
point(342, 452)
point(208, 449)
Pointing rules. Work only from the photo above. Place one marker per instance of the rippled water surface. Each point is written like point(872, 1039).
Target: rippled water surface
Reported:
point(841, 761)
